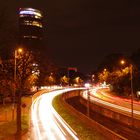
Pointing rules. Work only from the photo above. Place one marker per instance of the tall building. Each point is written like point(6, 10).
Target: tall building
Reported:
point(30, 25)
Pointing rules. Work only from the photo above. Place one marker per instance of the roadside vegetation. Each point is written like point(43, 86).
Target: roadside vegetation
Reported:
point(83, 131)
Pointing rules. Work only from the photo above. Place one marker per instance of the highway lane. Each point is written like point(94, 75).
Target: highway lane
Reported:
point(117, 100)
point(113, 102)
point(47, 124)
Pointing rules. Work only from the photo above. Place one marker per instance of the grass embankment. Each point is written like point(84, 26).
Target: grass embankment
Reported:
point(84, 131)
point(8, 124)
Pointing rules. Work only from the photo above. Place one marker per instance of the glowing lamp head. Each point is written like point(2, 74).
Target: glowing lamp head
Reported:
point(122, 62)
point(138, 93)
point(20, 50)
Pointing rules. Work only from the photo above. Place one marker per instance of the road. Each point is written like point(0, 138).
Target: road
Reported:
point(46, 123)
point(122, 105)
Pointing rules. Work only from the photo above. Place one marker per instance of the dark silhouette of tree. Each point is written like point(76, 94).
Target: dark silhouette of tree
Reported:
point(46, 67)
point(135, 58)
point(61, 76)
point(111, 62)
point(119, 75)
point(6, 81)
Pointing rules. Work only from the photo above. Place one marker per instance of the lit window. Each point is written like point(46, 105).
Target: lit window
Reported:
point(32, 23)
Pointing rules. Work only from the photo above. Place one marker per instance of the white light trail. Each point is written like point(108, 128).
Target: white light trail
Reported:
point(116, 106)
point(97, 99)
point(34, 119)
point(48, 124)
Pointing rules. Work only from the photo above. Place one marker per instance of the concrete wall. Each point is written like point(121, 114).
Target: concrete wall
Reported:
point(105, 111)
point(71, 94)
point(112, 114)
point(100, 128)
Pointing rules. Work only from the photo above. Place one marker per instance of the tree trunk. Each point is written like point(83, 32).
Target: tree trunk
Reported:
point(19, 116)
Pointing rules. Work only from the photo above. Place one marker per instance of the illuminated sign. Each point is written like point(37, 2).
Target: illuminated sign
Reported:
point(72, 68)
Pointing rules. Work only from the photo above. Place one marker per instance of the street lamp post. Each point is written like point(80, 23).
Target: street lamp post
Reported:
point(88, 99)
point(68, 74)
point(15, 65)
point(132, 94)
point(15, 69)
point(14, 91)
point(18, 109)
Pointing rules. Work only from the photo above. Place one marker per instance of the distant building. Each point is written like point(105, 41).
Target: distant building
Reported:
point(30, 25)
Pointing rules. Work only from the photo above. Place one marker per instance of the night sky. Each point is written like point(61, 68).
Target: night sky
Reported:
point(80, 33)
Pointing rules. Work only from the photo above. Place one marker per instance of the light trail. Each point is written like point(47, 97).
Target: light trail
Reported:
point(117, 104)
point(47, 123)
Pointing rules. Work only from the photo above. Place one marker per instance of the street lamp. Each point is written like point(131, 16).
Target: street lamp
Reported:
point(18, 110)
point(87, 85)
point(122, 62)
point(132, 94)
point(15, 69)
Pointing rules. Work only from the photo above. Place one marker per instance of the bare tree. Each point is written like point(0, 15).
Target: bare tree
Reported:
point(26, 66)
